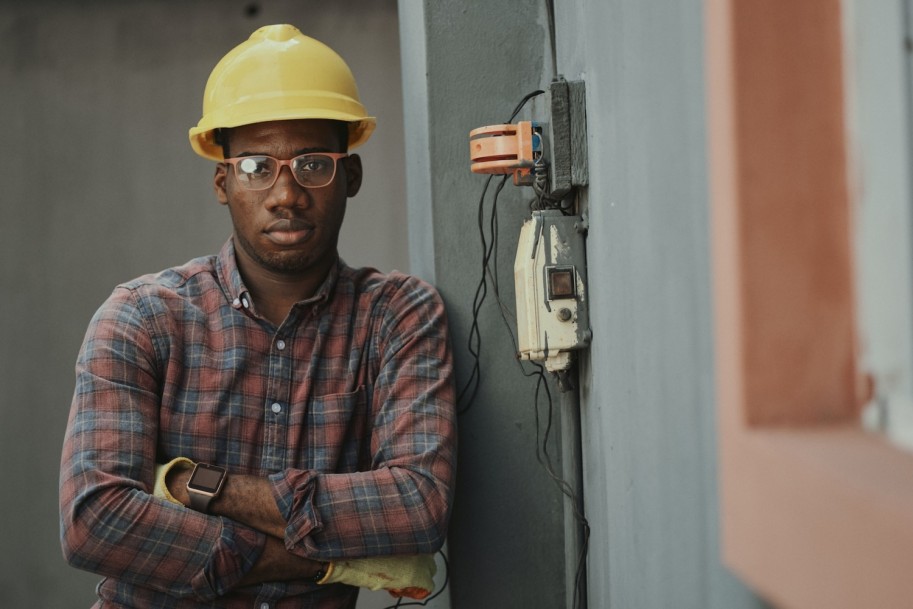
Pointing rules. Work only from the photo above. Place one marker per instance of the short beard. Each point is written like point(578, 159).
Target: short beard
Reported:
point(292, 264)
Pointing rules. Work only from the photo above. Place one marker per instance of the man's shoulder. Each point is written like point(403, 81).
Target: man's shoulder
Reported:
point(162, 303)
point(193, 283)
point(393, 284)
point(197, 273)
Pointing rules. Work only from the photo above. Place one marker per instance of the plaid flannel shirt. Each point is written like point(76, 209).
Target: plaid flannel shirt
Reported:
point(347, 408)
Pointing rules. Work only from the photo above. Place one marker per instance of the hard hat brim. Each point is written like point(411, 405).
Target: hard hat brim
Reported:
point(202, 138)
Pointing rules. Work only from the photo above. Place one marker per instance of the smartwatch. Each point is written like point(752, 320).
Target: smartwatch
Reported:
point(204, 485)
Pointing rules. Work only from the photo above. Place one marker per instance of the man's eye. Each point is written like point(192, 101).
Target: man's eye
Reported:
point(256, 167)
point(313, 166)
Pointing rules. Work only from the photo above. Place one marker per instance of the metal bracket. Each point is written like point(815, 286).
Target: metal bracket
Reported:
point(567, 141)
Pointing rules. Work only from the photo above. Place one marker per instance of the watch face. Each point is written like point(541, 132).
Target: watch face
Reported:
point(206, 478)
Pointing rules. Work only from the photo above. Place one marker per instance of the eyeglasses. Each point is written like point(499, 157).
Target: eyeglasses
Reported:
point(312, 170)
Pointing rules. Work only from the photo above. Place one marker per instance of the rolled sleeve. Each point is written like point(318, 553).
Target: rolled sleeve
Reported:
point(294, 492)
point(233, 555)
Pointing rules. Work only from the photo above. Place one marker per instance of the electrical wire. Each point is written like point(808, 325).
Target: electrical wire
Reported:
point(544, 459)
point(468, 393)
point(541, 188)
point(474, 342)
point(522, 103)
point(566, 489)
point(550, 12)
point(470, 388)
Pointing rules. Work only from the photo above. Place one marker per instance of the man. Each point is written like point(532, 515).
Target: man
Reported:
point(264, 427)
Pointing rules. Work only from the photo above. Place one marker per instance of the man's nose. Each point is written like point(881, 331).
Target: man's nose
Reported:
point(287, 192)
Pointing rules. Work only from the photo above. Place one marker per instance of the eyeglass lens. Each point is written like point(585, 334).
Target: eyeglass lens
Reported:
point(310, 170)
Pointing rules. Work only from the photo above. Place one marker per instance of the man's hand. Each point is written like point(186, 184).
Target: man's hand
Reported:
point(278, 564)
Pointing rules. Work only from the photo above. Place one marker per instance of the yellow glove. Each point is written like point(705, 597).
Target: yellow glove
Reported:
point(161, 475)
point(410, 576)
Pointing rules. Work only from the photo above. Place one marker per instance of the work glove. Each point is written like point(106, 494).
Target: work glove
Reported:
point(161, 474)
point(410, 576)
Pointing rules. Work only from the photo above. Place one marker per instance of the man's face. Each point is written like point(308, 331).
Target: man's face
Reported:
point(287, 229)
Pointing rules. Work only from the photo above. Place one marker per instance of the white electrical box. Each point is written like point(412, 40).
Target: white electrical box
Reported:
point(550, 280)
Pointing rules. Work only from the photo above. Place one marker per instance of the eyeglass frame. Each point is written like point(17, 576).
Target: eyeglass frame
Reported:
point(336, 156)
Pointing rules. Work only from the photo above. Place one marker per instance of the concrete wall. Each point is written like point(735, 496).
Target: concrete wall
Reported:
point(649, 445)
point(467, 64)
point(648, 395)
point(98, 184)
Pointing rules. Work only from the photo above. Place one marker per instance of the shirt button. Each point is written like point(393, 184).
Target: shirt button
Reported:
point(280, 344)
point(264, 605)
point(236, 303)
point(276, 407)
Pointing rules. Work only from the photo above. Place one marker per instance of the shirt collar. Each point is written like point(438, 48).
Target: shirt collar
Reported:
point(237, 292)
point(326, 289)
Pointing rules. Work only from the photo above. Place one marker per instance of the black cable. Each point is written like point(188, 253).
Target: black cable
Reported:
point(542, 439)
point(490, 272)
point(491, 262)
point(503, 308)
point(545, 460)
point(475, 337)
point(493, 231)
point(544, 457)
point(467, 393)
point(522, 103)
point(550, 12)
point(474, 342)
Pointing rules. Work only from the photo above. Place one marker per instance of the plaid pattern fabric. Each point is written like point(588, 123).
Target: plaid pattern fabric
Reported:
point(347, 408)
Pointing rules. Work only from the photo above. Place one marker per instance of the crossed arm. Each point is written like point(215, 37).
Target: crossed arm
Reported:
point(281, 527)
point(249, 501)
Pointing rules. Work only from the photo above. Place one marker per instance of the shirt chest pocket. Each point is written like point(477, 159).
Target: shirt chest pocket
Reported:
point(337, 428)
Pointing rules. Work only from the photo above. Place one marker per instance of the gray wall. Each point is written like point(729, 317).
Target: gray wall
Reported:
point(467, 64)
point(648, 395)
point(98, 184)
point(647, 383)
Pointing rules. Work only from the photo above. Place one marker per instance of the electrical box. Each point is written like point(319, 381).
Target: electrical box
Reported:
point(550, 281)
point(550, 268)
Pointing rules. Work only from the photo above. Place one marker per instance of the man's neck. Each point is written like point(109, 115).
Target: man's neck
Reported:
point(276, 293)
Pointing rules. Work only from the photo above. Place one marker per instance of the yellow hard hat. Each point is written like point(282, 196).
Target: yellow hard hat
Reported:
point(279, 74)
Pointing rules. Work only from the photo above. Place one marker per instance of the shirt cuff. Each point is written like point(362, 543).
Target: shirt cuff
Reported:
point(236, 552)
point(294, 492)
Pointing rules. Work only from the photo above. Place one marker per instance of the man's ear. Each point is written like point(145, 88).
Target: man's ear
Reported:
point(219, 181)
point(353, 174)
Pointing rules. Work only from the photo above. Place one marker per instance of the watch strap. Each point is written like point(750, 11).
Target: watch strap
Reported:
point(199, 502)
point(323, 574)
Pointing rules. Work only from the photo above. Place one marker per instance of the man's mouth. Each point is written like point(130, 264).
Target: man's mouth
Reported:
point(291, 231)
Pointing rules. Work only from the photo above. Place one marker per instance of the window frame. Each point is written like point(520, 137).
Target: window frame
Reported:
point(815, 511)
